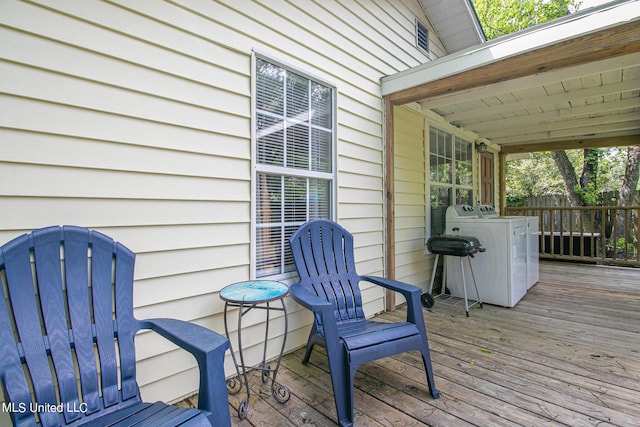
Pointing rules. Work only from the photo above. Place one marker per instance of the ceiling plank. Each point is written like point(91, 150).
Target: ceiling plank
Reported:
point(566, 114)
point(614, 123)
point(614, 88)
point(565, 118)
point(619, 141)
point(602, 107)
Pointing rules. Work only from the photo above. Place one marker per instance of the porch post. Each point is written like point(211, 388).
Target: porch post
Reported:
point(502, 175)
point(389, 200)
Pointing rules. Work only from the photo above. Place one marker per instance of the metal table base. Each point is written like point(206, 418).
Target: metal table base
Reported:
point(248, 296)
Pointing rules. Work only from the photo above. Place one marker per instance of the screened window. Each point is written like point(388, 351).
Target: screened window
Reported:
point(451, 175)
point(294, 160)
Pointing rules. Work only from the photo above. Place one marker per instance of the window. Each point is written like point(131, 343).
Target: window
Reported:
point(422, 36)
point(294, 160)
point(450, 173)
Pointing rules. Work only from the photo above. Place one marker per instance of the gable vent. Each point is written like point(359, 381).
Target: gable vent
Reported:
point(422, 36)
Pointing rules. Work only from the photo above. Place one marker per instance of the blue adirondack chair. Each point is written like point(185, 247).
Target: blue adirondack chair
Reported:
point(67, 319)
point(329, 286)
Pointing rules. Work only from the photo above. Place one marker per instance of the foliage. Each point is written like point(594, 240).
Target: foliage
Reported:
point(588, 189)
point(622, 242)
point(507, 16)
point(589, 195)
point(535, 176)
point(538, 176)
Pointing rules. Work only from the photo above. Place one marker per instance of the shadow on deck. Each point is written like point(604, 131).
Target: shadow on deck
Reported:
point(567, 354)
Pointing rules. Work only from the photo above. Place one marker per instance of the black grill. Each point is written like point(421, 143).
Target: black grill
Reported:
point(454, 245)
point(460, 246)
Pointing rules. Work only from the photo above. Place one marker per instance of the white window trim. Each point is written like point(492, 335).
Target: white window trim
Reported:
point(455, 132)
point(333, 175)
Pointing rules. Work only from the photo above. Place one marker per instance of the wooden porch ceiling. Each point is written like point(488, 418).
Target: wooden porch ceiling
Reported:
point(572, 86)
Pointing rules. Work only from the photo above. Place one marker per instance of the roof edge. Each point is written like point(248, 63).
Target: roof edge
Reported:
point(559, 30)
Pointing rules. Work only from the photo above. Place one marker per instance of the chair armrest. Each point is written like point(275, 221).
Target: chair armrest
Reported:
point(208, 347)
point(405, 289)
point(193, 338)
point(309, 300)
point(410, 292)
point(322, 309)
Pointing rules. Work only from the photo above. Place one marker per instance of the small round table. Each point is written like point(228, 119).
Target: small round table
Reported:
point(248, 295)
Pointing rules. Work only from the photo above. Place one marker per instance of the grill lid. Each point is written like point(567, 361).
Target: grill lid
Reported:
point(454, 245)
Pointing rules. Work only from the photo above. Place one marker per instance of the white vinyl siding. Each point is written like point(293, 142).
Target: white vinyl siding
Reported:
point(430, 157)
point(412, 265)
point(134, 118)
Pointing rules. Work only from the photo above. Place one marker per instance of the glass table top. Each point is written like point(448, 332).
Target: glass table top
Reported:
point(254, 291)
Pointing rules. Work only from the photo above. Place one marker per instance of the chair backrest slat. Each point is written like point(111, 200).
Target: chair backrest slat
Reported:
point(76, 251)
point(102, 295)
point(11, 367)
point(321, 248)
point(21, 288)
point(342, 251)
point(127, 324)
point(326, 251)
point(50, 289)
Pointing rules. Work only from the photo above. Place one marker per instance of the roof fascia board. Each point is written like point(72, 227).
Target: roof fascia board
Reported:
point(477, 26)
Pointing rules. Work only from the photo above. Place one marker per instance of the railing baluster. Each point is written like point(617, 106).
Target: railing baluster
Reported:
point(626, 234)
point(552, 240)
point(636, 257)
point(570, 217)
point(581, 231)
point(561, 230)
point(614, 233)
point(603, 247)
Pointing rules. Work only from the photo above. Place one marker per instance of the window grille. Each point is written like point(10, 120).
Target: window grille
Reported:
point(450, 175)
point(294, 160)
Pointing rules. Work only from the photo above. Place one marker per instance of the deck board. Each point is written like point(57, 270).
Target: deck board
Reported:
point(567, 354)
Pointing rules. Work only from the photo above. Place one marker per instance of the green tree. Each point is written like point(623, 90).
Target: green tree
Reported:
point(535, 176)
point(538, 175)
point(507, 16)
point(582, 191)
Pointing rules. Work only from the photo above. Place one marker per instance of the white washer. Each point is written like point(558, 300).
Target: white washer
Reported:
point(501, 271)
point(533, 250)
point(533, 245)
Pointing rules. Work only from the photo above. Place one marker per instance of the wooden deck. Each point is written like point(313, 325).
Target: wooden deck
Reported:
point(567, 354)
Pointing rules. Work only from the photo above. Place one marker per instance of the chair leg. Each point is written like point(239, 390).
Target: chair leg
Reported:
point(314, 338)
point(426, 358)
point(342, 385)
point(344, 396)
point(307, 353)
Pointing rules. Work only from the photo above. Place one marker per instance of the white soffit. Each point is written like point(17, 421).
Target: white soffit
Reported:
point(455, 22)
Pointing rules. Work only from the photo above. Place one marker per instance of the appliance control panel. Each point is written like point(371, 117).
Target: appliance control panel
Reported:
point(487, 210)
point(464, 211)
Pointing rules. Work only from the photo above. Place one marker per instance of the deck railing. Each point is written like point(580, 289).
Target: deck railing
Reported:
point(598, 234)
